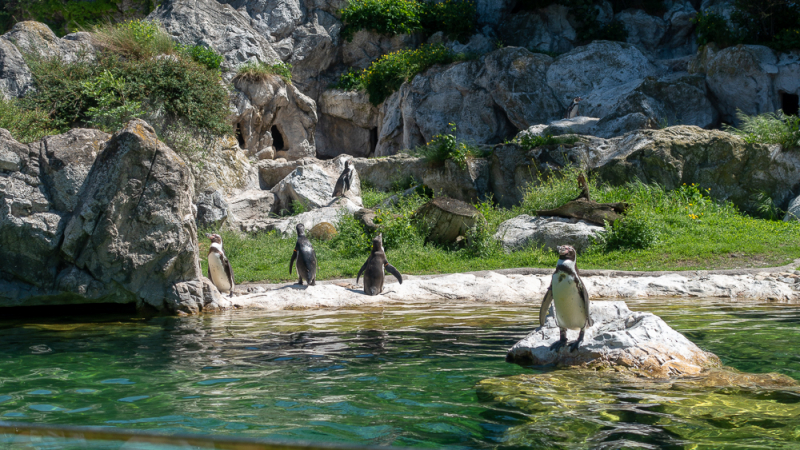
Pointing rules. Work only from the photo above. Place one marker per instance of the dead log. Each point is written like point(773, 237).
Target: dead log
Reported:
point(447, 218)
point(584, 208)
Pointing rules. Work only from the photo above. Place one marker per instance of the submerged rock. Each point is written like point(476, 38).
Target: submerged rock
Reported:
point(620, 339)
point(548, 232)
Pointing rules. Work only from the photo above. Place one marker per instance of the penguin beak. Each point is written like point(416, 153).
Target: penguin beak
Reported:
point(209, 235)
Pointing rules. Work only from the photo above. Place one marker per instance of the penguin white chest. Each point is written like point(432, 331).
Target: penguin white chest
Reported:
point(218, 275)
point(568, 302)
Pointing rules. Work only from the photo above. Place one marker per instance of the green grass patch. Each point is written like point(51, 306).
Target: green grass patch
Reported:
point(138, 39)
point(25, 125)
point(683, 229)
point(768, 128)
point(259, 71)
point(529, 141)
point(456, 18)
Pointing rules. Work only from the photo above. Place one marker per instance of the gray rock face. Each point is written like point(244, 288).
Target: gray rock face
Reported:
point(645, 31)
point(620, 338)
point(548, 232)
point(15, 77)
point(221, 166)
point(212, 209)
point(210, 23)
point(274, 114)
point(250, 210)
point(348, 124)
point(133, 230)
point(192, 297)
point(367, 46)
point(312, 185)
point(66, 161)
point(330, 214)
point(36, 37)
point(547, 29)
point(793, 212)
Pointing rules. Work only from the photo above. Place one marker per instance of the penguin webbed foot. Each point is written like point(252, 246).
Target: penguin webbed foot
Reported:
point(558, 344)
point(574, 346)
point(313, 283)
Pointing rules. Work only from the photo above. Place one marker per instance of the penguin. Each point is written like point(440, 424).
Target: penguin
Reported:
point(570, 298)
point(343, 183)
point(373, 268)
point(572, 109)
point(219, 268)
point(306, 258)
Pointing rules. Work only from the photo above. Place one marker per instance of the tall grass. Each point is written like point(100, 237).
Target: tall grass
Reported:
point(768, 128)
point(23, 124)
point(138, 39)
point(260, 71)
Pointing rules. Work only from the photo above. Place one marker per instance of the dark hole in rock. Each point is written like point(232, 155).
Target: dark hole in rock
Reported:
point(277, 138)
point(373, 140)
point(239, 136)
point(70, 310)
point(789, 103)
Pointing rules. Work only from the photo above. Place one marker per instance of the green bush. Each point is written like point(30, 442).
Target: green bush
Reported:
point(634, 231)
point(529, 141)
point(259, 71)
point(351, 239)
point(24, 125)
point(768, 128)
point(349, 81)
point(446, 146)
point(456, 19)
point(138, 39)
point(774, 23)
point(203, 55)
point(66, 16)
point(712, 27)
point(384, 16)
point(585, 14)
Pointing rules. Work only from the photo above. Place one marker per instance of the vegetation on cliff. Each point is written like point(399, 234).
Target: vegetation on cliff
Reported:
point(774, 23)
point(67, 16)
point(455, 18)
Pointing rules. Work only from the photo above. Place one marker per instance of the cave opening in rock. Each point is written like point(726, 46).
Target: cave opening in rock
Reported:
point(68, 310)
point(373, 140)
point(789, 103)
point(239, 136)
point(277, 138)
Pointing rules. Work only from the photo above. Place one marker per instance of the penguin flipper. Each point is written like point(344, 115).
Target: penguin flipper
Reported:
point(363, 268)
point(291, 261)
point(337, 190)
point(546, 301)
point(390, 268)
point(585, 294)
point(228, 271)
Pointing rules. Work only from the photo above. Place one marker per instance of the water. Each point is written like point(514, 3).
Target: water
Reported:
point(379, 376)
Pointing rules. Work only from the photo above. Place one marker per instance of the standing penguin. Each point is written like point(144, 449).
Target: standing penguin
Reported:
point(219, 268)
point(570, 299)
point(343, 183)
point(306, 258)
point(572, 109)
point(373, 268)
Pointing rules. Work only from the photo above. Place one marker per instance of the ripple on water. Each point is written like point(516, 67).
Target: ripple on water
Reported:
point(393, 376)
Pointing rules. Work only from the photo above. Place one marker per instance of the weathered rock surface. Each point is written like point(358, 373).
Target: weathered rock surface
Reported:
point(15, 76)
point(217, 26)
point(548, 232)
point(620, 339)
point(312, 185)
point(793, 212)
point(348, 123)
point(221, 166)
point(271, 113)
point(252, 210)
point(36, 37)
point(446, 219)
point(212, 209)
point(328, 214)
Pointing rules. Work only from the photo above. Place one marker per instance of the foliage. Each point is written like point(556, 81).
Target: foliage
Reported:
point(66, 16)
point(349, 81)
point(585, 13)
point(634, 231)
point(530, 141)
point(351, 239)
point(768, 128)
point(765, 206)
point(201, 54)
point(259, 71)
point(138, 39)
point(712, 27)
point(455, 18)
point(384, 16)
point(552, 190)
point(446, 146)
point(774, 23)
point(299, 207)
point(113, 108)
point(24, 125)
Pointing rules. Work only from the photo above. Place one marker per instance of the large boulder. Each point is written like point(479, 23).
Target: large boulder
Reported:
point(313, 184)
point(252, 210)
point(212, 209)
point(15, 76)
point(218, 164)
point(549, 232)
point(547, 29)
point(38, 38)
point(348, 123)
point(331, 214)
point(793, 211)
point(218, 26)
point(133, 229)
point(273, 114)
point(619, 339)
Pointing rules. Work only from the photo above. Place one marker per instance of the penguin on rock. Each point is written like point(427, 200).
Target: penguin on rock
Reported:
point(306, 258)
point(569, 297)
point(572, 109)
point(345, 179)
point(219, 268)
point(373, 268)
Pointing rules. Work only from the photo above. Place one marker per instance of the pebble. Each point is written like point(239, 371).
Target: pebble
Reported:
point(786, 280)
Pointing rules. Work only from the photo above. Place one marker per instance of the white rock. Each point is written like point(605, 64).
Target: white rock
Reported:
point(549, 232)
point(330, 214)
point(793, 213)
point(250, 210)
point(619, 337)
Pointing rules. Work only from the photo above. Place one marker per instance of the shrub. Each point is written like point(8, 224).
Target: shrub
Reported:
point(349, 81)
point(768, 128)
point(259, 71)
point(138, 39)
point(553, 190)
point(23, 124)
point(774, 23)
point(351, 238)
point(113, 107)
point(529, 141)
point(446, 146)
point(201, 54)
point(712, 27)
point(634, 231)
point(66, 16)
point(456, 19)
point(385, 76)
point(384, 16)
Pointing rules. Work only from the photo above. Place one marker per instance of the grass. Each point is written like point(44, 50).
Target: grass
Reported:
point(23, 124)
point(260, 71)
point(691, 232)
point(768, 128)
point(138, 39)
point(529, 142)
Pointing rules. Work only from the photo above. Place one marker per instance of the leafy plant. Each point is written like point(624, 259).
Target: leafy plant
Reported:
point(446, 146)
point(138, 39)
point(384, 16)
point(768, 128)
point(531, 141)
point(113, 109)
point(299, 207)
point(633, 232)
point(66, 16)
point(349, 81)
point(774, 23)
point(351, 238)
point(259, 71)
point(712, 27)
point(765, 206)
point(456, 19)
point(24, 125)
point(201, 54)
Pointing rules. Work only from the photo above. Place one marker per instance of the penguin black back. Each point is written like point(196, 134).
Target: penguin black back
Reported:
point(345, 179)
point(374, 267)
point(306, 258)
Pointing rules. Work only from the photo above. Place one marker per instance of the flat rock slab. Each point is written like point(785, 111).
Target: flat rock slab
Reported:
point(549, 232)
point(493, 287)
point(622, 339)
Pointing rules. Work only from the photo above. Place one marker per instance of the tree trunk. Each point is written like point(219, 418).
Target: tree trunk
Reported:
point(447, 219)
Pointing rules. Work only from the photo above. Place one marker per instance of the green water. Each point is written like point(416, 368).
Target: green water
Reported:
point(389, 376)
